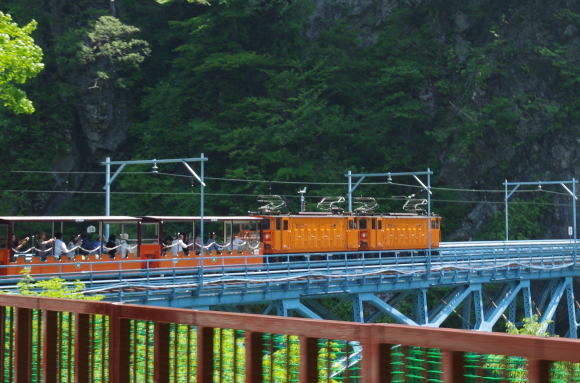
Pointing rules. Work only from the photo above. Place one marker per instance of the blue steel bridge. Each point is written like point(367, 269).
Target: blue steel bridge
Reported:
point(478, 283)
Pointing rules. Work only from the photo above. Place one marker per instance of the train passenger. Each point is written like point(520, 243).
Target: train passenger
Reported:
point(237, 243)
point(73, 246)
point(91, 247)
point(18, 246)
point(112, 246)
point(59, 246)
point(87, 244)
point(188, 244)
point(98, 245)
point(197, 245)
point(166, 244)
point(211, 241)
point(124, 245)
point(177, 245)
point(42, 245)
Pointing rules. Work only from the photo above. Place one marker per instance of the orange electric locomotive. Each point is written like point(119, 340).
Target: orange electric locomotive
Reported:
point(66, 244)
point(335, 231)
point(318, 233)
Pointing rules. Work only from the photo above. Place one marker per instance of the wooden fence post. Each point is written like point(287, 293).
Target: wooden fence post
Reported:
point(376, 357)
point(308, 359)
point(161, 358)
point(23, 354)
point(82, 348)
point(254, 353)
point(119, 346)
point(205, 337)
point(452, 364)
point(49, 352)
point(538, 370)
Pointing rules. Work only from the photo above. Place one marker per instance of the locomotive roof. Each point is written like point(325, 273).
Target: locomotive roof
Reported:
point(72, 218)
point(156, 218)
point(330, 215)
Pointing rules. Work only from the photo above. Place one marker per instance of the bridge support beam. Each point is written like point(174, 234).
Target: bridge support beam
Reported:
point(573, 323)
point(467, 307)
point(358, 314)
point(527, 302)
point(386, 308)
point(295, 304)
point(449, 304)
point(505, 298)
point(478, 306)
point(321, 310)
point(553, 302)
point(422, 314)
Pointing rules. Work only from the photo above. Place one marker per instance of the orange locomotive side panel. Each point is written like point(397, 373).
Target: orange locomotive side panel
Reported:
point(402, 233)
point(334, 233)
point(294, 234)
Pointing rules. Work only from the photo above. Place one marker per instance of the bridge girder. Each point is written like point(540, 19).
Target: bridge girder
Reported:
point(511, 298)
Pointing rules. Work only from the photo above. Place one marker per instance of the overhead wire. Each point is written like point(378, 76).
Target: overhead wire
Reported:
point(249, 180)
point(257, 195)
point(279, 182)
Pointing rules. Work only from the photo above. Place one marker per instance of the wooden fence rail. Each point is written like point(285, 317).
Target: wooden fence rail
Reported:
point(56, 340)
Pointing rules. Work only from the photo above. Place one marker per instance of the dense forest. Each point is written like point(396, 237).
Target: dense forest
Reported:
point(283, 94)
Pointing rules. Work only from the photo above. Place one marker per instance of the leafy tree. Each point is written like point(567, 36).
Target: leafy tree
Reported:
point(515, 368)
point(20, 60)
point(107, 48)
point(525, 220)
point(54, 288)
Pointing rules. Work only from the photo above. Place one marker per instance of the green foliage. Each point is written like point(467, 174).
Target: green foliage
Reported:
point(108, 47)
point(289, 90)
point(525, 220)
point(531, 326)
point(514, 367)
point(111, 39)
point(204, 2)
point(20, 60)
point(54, 288)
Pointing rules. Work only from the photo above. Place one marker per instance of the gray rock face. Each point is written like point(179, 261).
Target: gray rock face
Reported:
point(100, 108)
point(365, 16)
point(102, 119)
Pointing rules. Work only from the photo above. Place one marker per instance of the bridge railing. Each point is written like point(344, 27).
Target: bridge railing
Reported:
point(55, 340)
point(546, 255)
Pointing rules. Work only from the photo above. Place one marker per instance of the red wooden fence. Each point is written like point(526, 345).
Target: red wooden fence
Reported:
point(41, 352)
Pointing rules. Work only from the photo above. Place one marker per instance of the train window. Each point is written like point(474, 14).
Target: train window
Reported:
point(278, 223)
point(149, 233)
point(362, 223)
point(352, 224)
point(380, 224)
point(285, 225)
point(266, 224)
point(374, 223)
point(434, 224)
